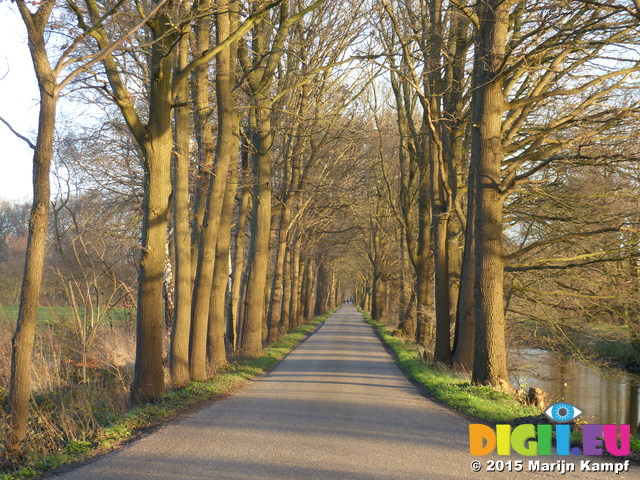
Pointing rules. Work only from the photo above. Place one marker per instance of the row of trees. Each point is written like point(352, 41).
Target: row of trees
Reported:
point(514, 120)
point(462, 171)
point(226, 121)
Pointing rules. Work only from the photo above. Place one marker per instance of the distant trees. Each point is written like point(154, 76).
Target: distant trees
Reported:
point(14, 224)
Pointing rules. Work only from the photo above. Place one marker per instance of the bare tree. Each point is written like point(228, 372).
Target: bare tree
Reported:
point(52, 79)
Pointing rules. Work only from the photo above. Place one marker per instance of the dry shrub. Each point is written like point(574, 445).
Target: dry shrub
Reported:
point(75, 395)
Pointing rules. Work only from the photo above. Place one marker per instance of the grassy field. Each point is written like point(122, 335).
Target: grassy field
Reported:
point(49, 315)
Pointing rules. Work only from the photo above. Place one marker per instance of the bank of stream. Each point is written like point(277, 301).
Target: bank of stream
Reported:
point(605, 394)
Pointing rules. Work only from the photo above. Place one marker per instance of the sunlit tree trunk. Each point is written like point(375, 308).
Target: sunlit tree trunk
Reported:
point(465, 331)
point(432, 51)
point(201, 86)
point(179, 353)
point(260, 227)
point(490, 363)
point(24, 336)
point(227, 156)
point(275, 312)
point(148, 380)
point(286, 292)
point(296, 284)
point(216, 350)
point(423, 268)
point(226, 150)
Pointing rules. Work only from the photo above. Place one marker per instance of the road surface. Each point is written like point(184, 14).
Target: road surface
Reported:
point(336, 408)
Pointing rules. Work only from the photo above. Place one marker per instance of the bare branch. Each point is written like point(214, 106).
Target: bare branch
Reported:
point(17, 134)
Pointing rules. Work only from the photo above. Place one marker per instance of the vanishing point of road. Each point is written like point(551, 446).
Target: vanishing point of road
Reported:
point(337, 407)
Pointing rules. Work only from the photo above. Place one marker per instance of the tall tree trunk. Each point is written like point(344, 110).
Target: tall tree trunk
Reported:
point(24, 336)
point(376, 311)
point(422, 257)
point(407, 320)
point(321, 288)
point(432, 31)
point(275, 311)
point(313, 289)
point(201, 86)
point(285, 320)
point(148, 379)
point(454, 150)
point(260, 226)
point(155, 141)
point(296, 284)
point(465, 331)
point(179, 354)
point(423, 300)
point(304, 287)
point(490, 365)
point(238, 267)
point(226, 150)
point(216, 350)
point(226, 154)
point(274, 231)
point(310, 289)
point(442, 349)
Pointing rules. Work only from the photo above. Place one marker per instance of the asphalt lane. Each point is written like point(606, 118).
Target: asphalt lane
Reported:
point(336, 408)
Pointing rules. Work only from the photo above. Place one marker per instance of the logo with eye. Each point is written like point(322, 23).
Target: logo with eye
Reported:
point(562, 412)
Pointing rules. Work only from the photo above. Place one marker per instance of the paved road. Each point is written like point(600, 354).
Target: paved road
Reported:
point(336, 408)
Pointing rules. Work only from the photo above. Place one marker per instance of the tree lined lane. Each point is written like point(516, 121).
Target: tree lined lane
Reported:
point(336, 408)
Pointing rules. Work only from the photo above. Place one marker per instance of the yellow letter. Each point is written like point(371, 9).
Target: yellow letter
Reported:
point(503, 434)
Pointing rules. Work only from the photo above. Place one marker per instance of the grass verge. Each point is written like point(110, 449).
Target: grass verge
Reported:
point(456, 392)
point(143, 417)
point(448, 387)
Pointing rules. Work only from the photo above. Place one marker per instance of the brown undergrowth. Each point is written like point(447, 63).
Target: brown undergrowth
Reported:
point(77, 390)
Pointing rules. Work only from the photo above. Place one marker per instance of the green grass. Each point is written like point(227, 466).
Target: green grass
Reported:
point(450, 388)
point(173, 403)
point(49, 315)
